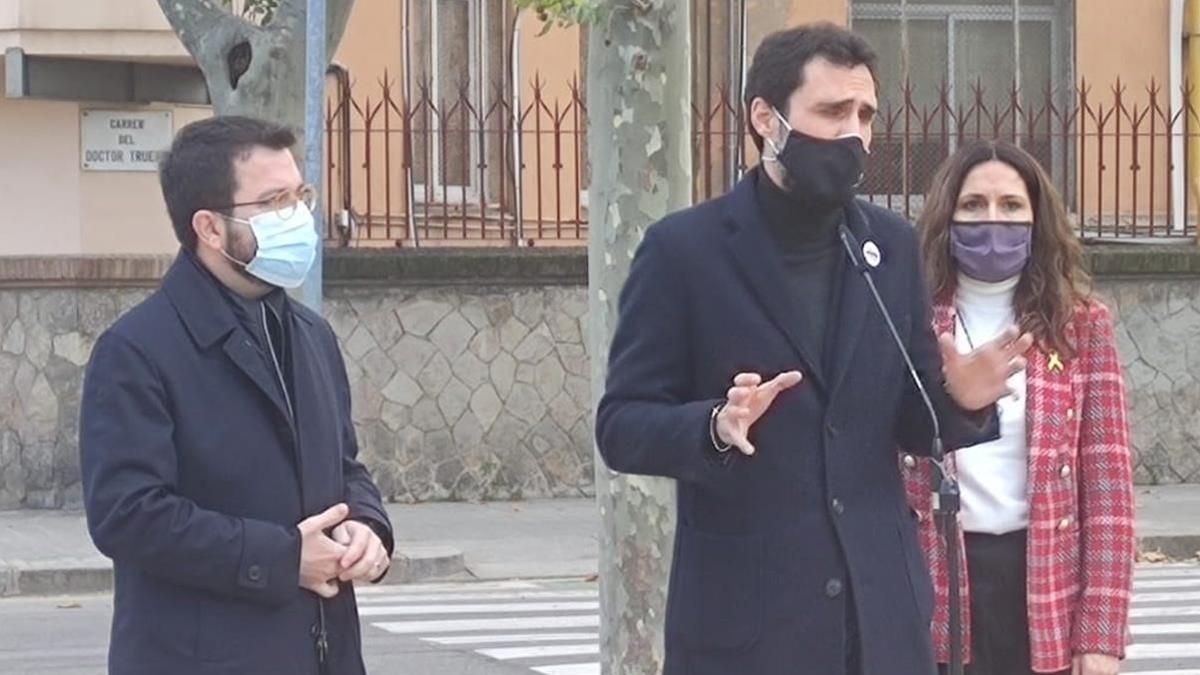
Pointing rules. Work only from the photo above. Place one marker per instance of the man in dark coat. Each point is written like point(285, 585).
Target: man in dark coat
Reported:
point(218, 453)
point(751, 364)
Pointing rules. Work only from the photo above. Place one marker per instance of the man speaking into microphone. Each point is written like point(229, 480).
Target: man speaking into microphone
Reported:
point(752, 364)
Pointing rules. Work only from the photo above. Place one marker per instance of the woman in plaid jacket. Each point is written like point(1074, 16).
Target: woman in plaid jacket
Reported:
point(1047, 509)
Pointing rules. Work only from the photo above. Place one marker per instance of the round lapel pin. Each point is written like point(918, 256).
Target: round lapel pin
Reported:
point(871, 254)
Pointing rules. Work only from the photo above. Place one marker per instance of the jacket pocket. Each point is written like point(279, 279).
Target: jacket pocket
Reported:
point(159, 613)
point(716, 598)
point(231, 630)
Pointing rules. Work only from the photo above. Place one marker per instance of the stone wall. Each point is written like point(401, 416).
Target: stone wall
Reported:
point(469, 369)
point(1158, 339)
point(469, 393)
point(1155, 297)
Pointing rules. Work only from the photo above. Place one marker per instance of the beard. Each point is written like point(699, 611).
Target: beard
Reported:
point(240, 245)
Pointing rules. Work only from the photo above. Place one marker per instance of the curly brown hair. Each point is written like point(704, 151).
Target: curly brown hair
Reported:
point(1053, 283)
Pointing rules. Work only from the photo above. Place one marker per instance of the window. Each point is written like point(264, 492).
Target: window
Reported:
point(458, 71)
point(964, 58)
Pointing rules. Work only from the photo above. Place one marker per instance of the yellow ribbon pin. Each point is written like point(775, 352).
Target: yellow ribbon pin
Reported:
point(1056, 364)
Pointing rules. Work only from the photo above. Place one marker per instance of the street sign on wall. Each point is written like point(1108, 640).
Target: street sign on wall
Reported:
point(124, 140)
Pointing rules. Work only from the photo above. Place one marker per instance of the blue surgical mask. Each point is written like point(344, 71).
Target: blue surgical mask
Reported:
point(286, 247)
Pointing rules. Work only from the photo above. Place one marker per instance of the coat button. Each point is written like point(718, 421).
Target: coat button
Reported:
point(833, 588)
point(910, 461)
point(1065, 472)
point(1064, 523)
point(1070, 414)
point(254, 573)
point(831, 430)
point(838, 507)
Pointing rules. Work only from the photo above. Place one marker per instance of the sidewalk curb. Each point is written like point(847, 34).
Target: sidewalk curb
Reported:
point(415, 564)
point(55, 576)
point(412, 564)
point(1174, 546)
point(68, 576)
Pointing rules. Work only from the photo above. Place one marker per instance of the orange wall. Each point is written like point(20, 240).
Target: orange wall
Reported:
point(1112, 44)
point(805, 11)
point(372, 49)
point(555, 58)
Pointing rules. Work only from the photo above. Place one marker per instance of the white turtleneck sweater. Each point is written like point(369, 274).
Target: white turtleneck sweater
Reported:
point(993, 476)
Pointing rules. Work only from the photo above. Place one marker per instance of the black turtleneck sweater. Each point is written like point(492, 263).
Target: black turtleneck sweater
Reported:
point(808, 244)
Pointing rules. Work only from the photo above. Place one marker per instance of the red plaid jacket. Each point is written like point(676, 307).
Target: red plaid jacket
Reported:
point(1081, 542)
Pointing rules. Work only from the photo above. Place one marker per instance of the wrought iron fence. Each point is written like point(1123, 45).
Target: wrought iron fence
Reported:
point(413, 171)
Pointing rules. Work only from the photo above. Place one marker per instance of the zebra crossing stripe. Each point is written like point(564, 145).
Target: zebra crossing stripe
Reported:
point(423, 589)
point(570, 669)
point(1165, 628)
point(1162, 650)
point(498, 608)
point(1168, 583)
point(495, 624)
point(1184, 572)
point(540, 651)
point(1165, 597)
point(479, 597)
point(1149, 612)
point(511, 638)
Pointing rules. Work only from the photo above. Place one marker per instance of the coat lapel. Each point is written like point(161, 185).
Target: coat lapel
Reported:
point(209, 320)
point(309, 370)
point(1049, 406)
point(760, 264)
point(239, 348)
point(853, 304)
point(1048, 397)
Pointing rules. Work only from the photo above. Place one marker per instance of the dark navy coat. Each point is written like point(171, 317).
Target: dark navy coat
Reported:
point(194, 479)
point(768, 547)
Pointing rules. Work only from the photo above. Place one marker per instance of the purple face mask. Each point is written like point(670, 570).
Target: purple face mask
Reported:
point(992, 251)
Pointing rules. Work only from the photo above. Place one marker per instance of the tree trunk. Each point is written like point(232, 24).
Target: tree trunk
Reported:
point(252, 70)
point(639, 111)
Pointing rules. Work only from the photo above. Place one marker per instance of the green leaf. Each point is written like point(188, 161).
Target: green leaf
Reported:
point(562, 12)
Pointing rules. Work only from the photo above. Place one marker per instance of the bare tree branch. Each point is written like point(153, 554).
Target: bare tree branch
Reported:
point(192, 20)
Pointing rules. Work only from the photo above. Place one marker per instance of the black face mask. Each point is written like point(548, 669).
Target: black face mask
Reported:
point(820, 173)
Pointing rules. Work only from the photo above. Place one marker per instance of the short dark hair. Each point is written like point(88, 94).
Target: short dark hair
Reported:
point(198, 173)
point(779, 63)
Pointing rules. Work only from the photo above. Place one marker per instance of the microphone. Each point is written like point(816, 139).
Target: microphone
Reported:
point(944, 489)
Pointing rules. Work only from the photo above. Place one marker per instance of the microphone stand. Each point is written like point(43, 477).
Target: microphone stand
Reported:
point(944, 487)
